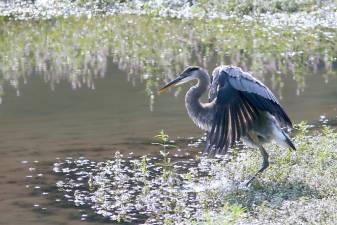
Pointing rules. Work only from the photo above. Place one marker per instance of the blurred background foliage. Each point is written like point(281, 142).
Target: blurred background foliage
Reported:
point(153, 50)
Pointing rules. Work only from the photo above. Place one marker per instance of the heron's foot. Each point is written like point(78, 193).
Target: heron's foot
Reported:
point(247, 183)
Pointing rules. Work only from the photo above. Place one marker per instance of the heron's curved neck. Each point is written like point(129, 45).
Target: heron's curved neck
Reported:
point(199, 89)
point(197, 110)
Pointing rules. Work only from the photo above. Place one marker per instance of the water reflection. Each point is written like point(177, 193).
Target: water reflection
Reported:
point(153, 50)
point(105, 115)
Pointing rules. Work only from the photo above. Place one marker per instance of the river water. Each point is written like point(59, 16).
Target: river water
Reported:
point(92, 90)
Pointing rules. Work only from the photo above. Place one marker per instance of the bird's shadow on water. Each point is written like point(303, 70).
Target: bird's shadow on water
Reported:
point(270, 193)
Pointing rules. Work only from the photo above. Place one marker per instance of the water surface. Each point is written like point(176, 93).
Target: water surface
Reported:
point(88, 87)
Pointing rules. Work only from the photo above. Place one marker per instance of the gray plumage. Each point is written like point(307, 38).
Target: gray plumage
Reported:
point(239, 107)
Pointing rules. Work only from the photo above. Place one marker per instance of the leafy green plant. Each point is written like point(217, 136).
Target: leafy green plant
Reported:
point(167, 165)
point(227, 215)
point(164, 141)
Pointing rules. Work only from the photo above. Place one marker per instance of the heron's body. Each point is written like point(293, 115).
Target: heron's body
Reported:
point(239, 107)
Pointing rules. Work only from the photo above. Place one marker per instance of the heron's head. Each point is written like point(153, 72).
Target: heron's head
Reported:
point(189, 73)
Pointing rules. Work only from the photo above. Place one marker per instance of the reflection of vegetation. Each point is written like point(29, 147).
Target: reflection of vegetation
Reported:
point(79, 49)
point(298, 188)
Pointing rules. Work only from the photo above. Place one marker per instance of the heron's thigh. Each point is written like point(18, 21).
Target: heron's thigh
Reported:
point(247, 141)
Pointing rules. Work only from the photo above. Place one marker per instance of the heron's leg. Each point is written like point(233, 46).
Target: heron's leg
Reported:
point(265, 164)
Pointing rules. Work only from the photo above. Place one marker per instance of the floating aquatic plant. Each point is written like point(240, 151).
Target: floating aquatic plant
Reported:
point(299, 187)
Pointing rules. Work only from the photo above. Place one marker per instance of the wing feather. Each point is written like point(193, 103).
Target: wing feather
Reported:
point(255, 91)
point(239, 98)
point(231, 121)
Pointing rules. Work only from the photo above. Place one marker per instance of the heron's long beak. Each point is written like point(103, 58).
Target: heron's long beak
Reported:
point(170, 84)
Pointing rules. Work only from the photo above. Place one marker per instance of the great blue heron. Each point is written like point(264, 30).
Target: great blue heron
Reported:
point(240, 106)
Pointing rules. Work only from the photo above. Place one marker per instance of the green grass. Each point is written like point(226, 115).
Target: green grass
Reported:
point(299, 187)
point(228, 214)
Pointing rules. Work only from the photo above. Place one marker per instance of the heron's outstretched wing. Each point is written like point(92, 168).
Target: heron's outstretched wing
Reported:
point(239, 98)
point(257, 93)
